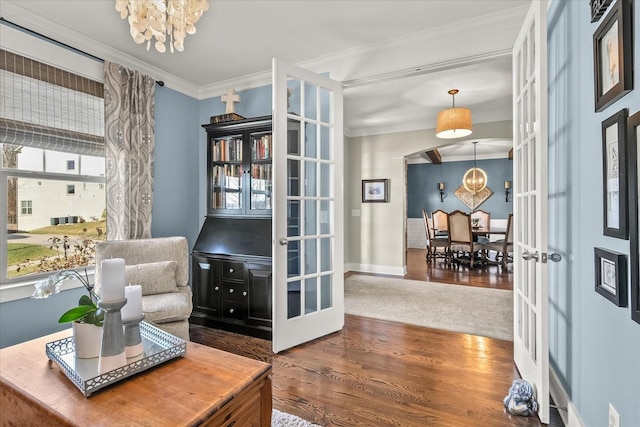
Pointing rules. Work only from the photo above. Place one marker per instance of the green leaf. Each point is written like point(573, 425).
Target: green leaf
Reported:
point(76, 313)
point(85, 300)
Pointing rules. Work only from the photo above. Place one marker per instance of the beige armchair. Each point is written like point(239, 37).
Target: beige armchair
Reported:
point(161, 267)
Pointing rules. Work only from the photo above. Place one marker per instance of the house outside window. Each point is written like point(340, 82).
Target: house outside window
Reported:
point(71, 165)
point(71, 189)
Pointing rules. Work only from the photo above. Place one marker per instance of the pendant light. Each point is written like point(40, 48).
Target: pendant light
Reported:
point(475, 179)
point(453, 122)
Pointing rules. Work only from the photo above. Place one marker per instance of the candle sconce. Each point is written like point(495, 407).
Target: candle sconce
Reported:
point(507, 187)
point(441, 188)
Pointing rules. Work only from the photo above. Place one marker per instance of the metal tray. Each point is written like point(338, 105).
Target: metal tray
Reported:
point(159, 347)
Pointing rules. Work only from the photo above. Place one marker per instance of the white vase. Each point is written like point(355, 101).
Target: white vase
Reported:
point(87, 339)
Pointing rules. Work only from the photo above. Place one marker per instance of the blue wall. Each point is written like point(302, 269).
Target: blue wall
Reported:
point(176, 181)
point(423, 193)
point(594, 345)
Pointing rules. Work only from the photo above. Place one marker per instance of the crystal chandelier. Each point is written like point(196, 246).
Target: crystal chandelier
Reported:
point(159, 18)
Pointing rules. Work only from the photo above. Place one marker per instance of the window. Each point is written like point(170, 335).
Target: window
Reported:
point(51, 142)
point(26, 207)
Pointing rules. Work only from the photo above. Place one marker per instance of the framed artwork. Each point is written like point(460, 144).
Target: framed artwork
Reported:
point(633, 132)
point(611, 276)
point(614, 179)
point(375, 190)
point(613, 56)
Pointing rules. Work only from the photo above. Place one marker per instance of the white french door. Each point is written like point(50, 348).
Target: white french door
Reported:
point(531, 301)
point(308, 277)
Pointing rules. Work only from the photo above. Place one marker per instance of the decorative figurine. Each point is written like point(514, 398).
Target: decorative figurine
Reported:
point(521, 399)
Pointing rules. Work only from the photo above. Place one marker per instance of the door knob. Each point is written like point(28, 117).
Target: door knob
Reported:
point(530, 256)
point(283, 241)
point(555, 257)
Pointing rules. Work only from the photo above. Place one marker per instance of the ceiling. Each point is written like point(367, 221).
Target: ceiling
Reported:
point(396, 59)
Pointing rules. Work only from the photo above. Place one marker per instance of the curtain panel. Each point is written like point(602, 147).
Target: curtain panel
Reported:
point(129, 144)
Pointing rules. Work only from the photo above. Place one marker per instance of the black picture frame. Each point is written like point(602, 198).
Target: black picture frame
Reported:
point(375, 191)
point(633, 134)
point(611, 275)
point(613, 56)
point(614, 175)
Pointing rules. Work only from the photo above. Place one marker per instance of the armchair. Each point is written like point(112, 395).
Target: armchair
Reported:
point(161, 267)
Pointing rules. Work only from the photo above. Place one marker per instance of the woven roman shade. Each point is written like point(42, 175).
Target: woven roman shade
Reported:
point(45, 107)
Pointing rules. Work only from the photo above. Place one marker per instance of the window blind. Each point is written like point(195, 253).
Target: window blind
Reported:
point(46, 107)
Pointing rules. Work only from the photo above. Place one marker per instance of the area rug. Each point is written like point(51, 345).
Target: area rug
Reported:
point(467, 309)
point(282, 419)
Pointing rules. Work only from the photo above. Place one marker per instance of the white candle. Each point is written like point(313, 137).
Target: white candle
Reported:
point(133, 308)
point(112, 281)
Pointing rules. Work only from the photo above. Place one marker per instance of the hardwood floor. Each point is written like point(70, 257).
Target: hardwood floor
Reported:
point(378, 373)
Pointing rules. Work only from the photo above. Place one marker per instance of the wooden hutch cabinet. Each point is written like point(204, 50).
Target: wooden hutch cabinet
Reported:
point(231, 260)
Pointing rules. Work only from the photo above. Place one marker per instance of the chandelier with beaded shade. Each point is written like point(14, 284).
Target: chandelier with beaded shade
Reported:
point(165, 20)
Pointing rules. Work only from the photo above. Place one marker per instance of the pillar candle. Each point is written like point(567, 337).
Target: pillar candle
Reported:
point(112, 280)
point(133, 308)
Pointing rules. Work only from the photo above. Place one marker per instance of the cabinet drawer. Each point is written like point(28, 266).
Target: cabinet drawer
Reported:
point(233, 310)
point(234, 291)
point(232, 270)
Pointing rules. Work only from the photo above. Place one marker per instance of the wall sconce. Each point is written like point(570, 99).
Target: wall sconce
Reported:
point(507, 187)
point(441, 188)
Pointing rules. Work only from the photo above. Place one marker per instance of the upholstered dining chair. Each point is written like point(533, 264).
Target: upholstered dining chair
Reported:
point(484, 221)
point(503, 247)
point(440, 222)
point(437, 246)
point(461, 237)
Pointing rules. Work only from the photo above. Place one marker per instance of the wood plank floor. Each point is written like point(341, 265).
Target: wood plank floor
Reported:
point(378, 373)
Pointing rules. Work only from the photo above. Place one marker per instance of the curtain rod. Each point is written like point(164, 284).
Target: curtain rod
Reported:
point(59, 43)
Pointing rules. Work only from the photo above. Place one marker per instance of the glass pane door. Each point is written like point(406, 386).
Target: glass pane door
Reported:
point(226, 173)
point(260, 171)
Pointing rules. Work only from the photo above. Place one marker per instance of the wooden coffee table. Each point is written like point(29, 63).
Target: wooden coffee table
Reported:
point(205, 387)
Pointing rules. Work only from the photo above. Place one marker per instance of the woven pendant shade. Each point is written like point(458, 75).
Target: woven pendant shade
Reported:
point(453, 122)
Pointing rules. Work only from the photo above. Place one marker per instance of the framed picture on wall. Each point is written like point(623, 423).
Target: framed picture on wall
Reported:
point(613, 56)
point(375, 190)
point(633, 133)
point(614, 179)
point(611, 276)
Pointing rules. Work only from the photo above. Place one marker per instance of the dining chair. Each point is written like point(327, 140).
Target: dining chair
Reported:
point(440, 222)
point(434, 243)
point(503, 247)
point(484, 221)
point(461, 238)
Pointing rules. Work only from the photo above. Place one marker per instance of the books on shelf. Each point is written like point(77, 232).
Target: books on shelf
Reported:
point(261, 147)
point(227, 150)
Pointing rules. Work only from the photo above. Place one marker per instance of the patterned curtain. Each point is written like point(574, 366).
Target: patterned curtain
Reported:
point(129, 143)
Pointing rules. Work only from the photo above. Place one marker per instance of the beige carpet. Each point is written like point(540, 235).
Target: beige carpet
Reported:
point(466, 309)
point(282, 419)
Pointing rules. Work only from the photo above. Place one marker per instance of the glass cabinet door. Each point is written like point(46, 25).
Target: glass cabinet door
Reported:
point(226, 172)
point(260, 176)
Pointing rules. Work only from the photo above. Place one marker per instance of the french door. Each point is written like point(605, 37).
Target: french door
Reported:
point(308, 285)
point(531, 301)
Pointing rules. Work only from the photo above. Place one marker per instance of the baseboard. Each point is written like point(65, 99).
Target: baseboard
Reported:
point(567, 411)
point(376, 269)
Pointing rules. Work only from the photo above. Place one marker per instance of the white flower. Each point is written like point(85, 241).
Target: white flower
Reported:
point(46, 288)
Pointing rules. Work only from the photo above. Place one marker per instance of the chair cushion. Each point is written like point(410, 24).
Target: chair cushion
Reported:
point(170, 307)
point(154, 277)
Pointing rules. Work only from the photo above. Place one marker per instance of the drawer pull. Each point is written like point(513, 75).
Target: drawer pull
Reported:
point(231, 310)
point(216, 288)
point(231, 290)
point(244, 294)
point(231, 270)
